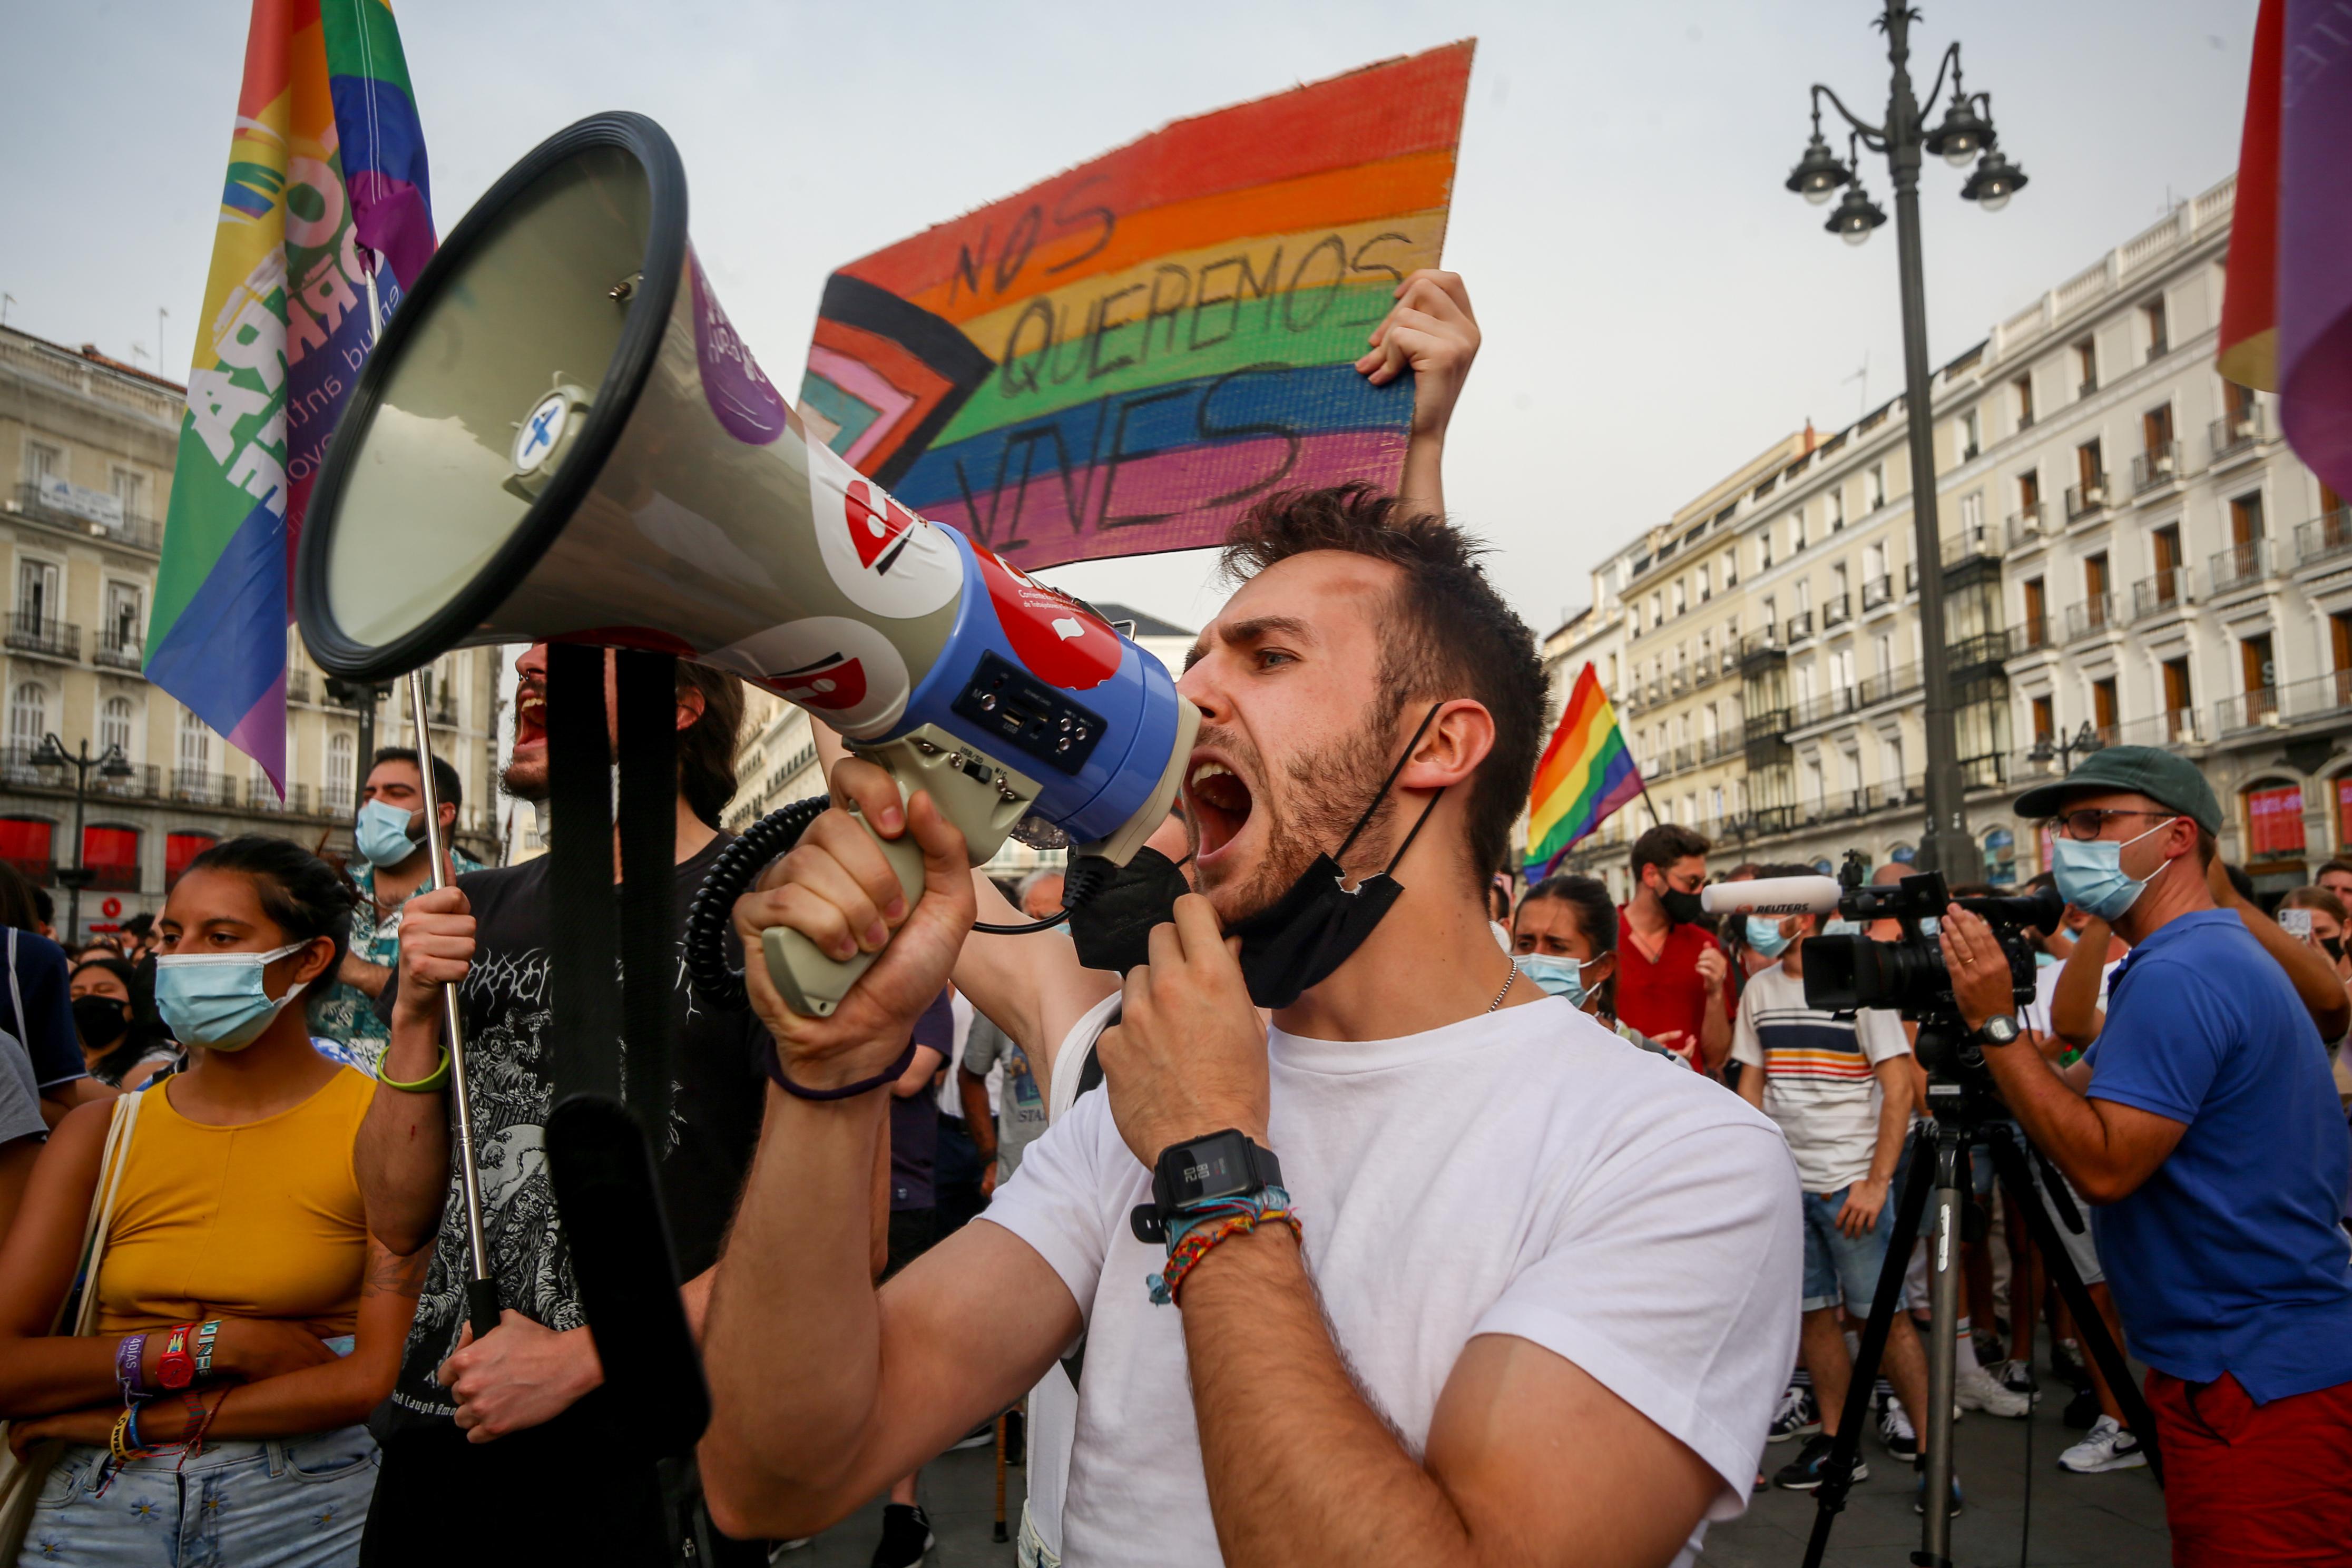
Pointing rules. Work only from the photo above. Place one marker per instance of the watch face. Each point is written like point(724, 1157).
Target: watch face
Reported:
point(1217, 1167)
point(175, 1372)
point(2001, 1029)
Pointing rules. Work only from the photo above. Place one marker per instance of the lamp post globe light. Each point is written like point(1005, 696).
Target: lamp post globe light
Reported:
point(1966, 131)
point(110, 764)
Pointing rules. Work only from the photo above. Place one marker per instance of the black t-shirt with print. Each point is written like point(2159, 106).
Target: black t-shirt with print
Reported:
point(721, 1093)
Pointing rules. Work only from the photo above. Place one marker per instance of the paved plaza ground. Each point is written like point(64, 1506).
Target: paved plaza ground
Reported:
point(2095, 1521)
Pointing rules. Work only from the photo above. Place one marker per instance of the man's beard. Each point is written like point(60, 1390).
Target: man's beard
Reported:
point(525, 778)
point(1323, 793)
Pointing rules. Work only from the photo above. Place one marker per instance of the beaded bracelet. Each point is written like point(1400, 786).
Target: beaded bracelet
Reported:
point(1196, 1230)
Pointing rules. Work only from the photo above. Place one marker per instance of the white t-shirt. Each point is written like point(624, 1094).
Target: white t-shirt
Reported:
point(2045, 987)
point(1526, 1173)
point(1818, 1079)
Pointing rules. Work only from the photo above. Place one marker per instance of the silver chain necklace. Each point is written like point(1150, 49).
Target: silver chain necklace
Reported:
point(1505, 991)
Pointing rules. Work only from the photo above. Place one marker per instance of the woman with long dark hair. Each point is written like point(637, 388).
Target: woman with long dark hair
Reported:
point(209, 1398)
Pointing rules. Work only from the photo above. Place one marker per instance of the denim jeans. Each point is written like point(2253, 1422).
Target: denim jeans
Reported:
point(1839, 1266)
point(295, 1502)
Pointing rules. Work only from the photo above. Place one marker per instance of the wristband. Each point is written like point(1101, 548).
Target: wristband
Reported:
point(204, 1337)
point(117, 1439)
point(176, 1369)
point(431, 1083)
point(1195, 1231)
point(130, 1367)
point(896, 1071)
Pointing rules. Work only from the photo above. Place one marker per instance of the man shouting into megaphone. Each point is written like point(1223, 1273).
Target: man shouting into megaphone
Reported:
point(1436, 1269)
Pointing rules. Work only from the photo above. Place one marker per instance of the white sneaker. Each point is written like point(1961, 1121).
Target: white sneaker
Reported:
point(1976, 1389)
point(1894, 1430)
point(2108, 1447)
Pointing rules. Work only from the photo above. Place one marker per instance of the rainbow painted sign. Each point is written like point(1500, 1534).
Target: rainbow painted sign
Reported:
point(1121, 359)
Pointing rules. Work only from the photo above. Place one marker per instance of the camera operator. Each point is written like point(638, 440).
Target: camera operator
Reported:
point(2202, 1127)
point(1535, 1306)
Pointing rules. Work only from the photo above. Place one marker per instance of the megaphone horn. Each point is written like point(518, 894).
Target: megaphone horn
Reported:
point(560, 436)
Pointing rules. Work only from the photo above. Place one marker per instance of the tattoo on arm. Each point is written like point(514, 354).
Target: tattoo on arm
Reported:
point(388, 1273)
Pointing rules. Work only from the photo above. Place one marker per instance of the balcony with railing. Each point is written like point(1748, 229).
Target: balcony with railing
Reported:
point(1703, 672)
point(44, 635)
point(1725, 742)
point(1876, 591)
point(2321, 698)
point(1900, 681)
point(2156, 467)
point(336, 799)
point(2236, 435)
point(1764, 646)
point(138, 532)
point(1969, 656)
point(119, 647)
point(1677, 684)
point(1966, 544)
point(1837, 704)
point(1888, 794)
point(2327, 537)
point(1987, 771)
point(2160, 594)
point(2031, 634)
point(2086, 499)
point(2025, 527)
point(1800, 626)
point(2240, 565)
point(194, 786)
point(2090, 616)
point(1836, 610)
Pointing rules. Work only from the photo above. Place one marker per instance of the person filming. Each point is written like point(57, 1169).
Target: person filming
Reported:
point(2202, 1127)
point(1494, 1274)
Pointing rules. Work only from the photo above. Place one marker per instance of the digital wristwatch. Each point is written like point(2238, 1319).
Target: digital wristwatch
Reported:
point(1202, 1169)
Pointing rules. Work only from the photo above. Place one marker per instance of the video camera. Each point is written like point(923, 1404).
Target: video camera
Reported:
point(1905, 975)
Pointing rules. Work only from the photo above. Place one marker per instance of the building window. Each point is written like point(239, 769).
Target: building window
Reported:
point(2274, 823)
point(343, 753)
point(2246, 517)
point(38, 600)
point(124, 628)
point(1834, 504)
point(2159, 341)
point(43, 463)
point(1730, 568)
point(130, 490)
point(195, 745)
point(28, 717)
point(1796, 530)
point(1874, 488)
point(27, 843)
point(111, 855)
point(2023, 388)
point(1764, 551)
point(181, 848)
point(2087, 366)
point(1971, 436)
point(114, 725)
point(2045, 719)
point(2103, 708)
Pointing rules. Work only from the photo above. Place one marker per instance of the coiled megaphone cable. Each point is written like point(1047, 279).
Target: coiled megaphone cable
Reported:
point(720, 984)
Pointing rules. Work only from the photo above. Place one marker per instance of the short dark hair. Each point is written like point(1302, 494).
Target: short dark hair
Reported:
point(445, 785)
point(2315, 897)
point(304, 895)
point(1454, 636)
point(706, 748)
point(2337, 864)
point(1596, 917)
point(16, 906)
point(44, 906)
point(1670, 841)
point(139, 925)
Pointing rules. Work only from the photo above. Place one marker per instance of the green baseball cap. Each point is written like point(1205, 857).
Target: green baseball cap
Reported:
point(2167, 778)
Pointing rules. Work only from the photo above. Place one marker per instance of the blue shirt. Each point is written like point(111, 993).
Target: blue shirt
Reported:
point(2230, 1257)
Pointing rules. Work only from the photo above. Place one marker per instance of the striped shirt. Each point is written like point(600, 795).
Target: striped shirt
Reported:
point(1818, 1082)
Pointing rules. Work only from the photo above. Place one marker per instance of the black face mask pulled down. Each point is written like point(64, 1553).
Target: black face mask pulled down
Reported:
point(100, 1020)
point(1683, 909)
point(1287, 948)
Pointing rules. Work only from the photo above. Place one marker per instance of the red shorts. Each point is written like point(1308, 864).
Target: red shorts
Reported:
point(2254, 1484)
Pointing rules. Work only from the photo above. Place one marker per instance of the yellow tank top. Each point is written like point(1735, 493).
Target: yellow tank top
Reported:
point(258, 1221)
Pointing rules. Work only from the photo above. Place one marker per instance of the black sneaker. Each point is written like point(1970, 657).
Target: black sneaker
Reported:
point(1796, 1417)
point(1895, 1431)
point(1804, 1472)
point(2066, 1363)
point(906, 1536)
point(1015, 1437)
point(2082, 1410)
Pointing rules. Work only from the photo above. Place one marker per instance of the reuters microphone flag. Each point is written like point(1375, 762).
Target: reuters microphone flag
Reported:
point(1586, 774)
point(326, 178)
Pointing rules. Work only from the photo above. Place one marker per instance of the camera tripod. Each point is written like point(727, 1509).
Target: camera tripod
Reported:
point(1960, 1115)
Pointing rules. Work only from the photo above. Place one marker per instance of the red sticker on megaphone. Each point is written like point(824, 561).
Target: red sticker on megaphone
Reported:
point(1056, 637)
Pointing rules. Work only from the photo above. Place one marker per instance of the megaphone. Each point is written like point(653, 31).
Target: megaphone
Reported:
point(560, 436)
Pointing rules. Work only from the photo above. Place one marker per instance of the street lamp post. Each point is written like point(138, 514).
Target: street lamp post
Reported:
point(110, 763)
point(1966, 131)
point(2064, 750)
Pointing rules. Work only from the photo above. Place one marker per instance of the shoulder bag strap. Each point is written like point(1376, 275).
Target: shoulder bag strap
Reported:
point(16, 993)
point(82, 1302)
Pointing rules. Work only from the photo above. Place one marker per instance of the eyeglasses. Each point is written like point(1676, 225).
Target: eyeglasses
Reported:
point(2087, 824)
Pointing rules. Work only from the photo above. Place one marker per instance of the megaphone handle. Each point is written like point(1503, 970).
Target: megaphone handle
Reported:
point(813, 982)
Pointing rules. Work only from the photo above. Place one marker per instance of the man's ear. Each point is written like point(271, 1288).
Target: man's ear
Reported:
point(1451, 748)
point(690, 706)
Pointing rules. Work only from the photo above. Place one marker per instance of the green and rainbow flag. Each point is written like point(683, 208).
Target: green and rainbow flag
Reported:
point(326, 179)
point(1586, 774)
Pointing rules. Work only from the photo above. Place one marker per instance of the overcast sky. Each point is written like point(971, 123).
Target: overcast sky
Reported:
point(1656, 308)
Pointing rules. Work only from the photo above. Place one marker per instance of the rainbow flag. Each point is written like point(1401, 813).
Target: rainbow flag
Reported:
point(1121, 359)
point(326, 174)
point(1586, 774)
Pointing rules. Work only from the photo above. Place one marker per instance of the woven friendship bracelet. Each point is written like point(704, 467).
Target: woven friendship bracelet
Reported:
point(1195, 1231)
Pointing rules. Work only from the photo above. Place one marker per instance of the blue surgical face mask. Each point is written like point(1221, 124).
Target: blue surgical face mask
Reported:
point(2090, 876)
point(1839, 926)
point(1560, 977)
point(216, 999)
point(1764, 936)
point(382, 834)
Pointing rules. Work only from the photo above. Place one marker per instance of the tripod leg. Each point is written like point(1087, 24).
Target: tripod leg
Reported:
point(1935, 1423)
point(1837, 1475)
point(2009, 1159)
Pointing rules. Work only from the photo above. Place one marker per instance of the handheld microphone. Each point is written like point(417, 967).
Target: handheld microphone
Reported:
point(1772, 896)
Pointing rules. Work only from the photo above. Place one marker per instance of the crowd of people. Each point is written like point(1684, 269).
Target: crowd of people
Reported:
point(1311, 1193)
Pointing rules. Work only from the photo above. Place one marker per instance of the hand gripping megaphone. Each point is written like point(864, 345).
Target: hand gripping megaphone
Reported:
point(561, 437)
